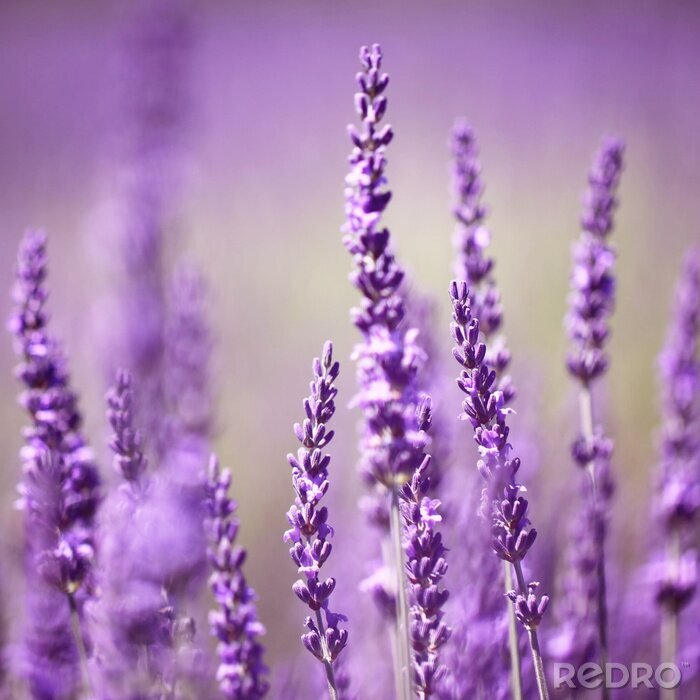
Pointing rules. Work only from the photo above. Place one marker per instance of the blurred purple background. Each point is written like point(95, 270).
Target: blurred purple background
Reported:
point(272, 87)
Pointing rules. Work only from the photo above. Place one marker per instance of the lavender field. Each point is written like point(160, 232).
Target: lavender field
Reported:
point(491, 487)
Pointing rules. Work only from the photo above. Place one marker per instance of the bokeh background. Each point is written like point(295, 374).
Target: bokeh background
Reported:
point(271, 87)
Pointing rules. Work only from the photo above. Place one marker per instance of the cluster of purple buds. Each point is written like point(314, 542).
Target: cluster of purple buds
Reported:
point(503, 501)
point(678, 501)
point(125, 442)
point(60, 491)
point(242, 674)
point(310, 534)
point(425, 569)
point(593, 283)
point(389, 356)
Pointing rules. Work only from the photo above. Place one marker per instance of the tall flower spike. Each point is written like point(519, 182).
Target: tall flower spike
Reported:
point(154, 63)
point(425, 568)
point(242, 674)
point(591, 304)
point(471, 241)
point(310, 534)
point(678, 496)
point(503, 500)
point(135, 625)
point(388, 357)
point(60, 487)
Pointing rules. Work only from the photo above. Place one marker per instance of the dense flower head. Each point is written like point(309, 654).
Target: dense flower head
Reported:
point(503, 502)
point(310, 534)
point(60, 488)
point(125, 442)
point(242, 674)
point(592, 296)
point(576, 638)
point(472, 237)
point(60, 491)
point(426, 566)
point(471, 240)
point(678, 497)
point(679, 368)
point(389, 356)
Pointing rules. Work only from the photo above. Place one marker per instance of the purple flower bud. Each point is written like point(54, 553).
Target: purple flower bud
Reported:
point(310, 536)
point(60, 488)
point(242, 674)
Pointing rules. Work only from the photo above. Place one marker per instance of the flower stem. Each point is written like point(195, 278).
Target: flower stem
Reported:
point(403, 656)
point(79, 643)
point(537, 662)
point(587, 430)
point(669, 614)
point(327, 663)
point(516, 677)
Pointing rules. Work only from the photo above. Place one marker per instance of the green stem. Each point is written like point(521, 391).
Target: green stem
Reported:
point(327, 663)
point(669, 614)
point(587, 430)
point(76, 627)
point(537, 662)
point(404, 690)
point(513, 642)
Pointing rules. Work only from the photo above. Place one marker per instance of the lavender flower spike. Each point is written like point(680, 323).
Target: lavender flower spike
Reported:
point(310, 533)
point(592, 301)
point(678, 500)
point(471, 240)
point(425, 568)
point(133, 622)
point(503, 500)
point(388, 357)
point(242, 674)
point(59, 491)
point(125, 442)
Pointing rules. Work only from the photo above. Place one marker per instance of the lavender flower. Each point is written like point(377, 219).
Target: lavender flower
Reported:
point(187, 428)
point(137, 628)
point(393, 441)
point(477, 653)
point(591, 304)
point(125, 443)
point(471, 240)
point(592, 281)
point(310, 533)
point(433, 380)
point(484, 408)
point(678, 499)
point(60, 488)
point(154, 65)
point(388, 356)
point(242, 674)
point(425, 569)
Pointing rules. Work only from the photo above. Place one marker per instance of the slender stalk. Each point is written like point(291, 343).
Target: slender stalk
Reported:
point(669, 614)
point(669, 645)
point(516, 673)
point(587, 423)
point(404, 690)
point(537, 662)
point(327, 663)
point(80, 644)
